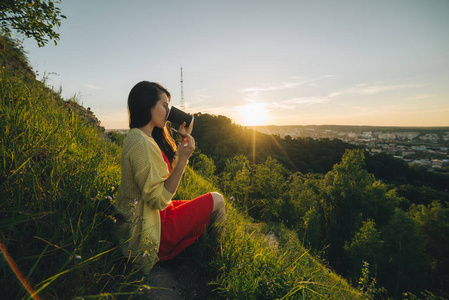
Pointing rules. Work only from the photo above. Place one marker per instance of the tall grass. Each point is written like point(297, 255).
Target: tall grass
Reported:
point(251, 267)
point(58, 180)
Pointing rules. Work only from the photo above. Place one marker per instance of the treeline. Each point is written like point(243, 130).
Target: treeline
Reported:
point(219, 139)
point(374, 219)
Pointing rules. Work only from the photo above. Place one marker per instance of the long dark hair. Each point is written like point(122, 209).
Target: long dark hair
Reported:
point(141, 99)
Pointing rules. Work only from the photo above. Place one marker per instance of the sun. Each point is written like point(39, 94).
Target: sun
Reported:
point(253, 114)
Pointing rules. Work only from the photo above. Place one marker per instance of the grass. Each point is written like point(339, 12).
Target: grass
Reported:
point(58, 180)
point(252, 267)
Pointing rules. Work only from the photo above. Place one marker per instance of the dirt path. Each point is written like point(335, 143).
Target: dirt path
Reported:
point(181, 278)
point(164, 284)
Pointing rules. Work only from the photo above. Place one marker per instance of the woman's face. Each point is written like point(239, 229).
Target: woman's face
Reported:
point(159, 112)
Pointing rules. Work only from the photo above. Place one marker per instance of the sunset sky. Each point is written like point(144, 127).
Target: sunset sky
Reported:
point(352, 62)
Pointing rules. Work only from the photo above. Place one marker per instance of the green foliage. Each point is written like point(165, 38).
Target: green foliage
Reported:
point(193, 185)
point(367, 284)
point(396, 171)
point(116, 137)
point(250, 268)
point(364, 248)
point(12, 56)
point(313, 229)
point(347, 213)
point(433, 225)
point(236, 179)
point(35, 19)
point(203, 165)
point(303, 199)
point(351, 195)
point(421, 194)
point(269, 184)
point(405, 264)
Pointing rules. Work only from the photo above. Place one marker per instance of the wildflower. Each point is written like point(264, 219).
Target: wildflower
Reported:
point(78, 256)
point(145, 287)
point(109, 198)
point(145, 253)
point(135, 202)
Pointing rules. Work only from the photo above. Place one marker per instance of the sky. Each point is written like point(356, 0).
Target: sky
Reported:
point(295, 62)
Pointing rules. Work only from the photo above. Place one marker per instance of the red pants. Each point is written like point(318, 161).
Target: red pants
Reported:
point(183, 221)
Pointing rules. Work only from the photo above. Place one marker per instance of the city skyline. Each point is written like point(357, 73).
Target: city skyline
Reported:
point(381, 63)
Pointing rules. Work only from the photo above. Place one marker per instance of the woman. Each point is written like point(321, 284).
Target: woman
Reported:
point(155, 227)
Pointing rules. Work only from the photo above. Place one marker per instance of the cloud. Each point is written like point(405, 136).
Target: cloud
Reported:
point(423, 96)
point(360, 89)
point(93, 87)
point(306, 100)
point(292, 82)
point(415, 107)
point(275, 87)
point(294, 102)
point(370, 89)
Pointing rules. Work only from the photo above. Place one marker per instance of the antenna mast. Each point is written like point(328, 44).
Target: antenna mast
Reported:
point(183, 105)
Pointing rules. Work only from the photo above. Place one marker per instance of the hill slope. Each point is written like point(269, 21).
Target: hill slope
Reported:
point(58, 180)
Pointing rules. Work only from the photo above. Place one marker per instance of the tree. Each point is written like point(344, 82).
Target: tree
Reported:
point(365, 246)
point(405, 265)
point(33, 18)
point(236, 179)
point(312, 228)
point(352, 195)
point(304, 195)
point(346, 203)
point(203, 165)
point(269, 185)
point(433, 225)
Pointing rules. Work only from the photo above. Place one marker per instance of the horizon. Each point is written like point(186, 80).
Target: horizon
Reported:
point(356, 62)
point(318, 125)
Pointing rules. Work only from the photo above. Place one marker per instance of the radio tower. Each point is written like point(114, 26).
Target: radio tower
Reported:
point(183, 105)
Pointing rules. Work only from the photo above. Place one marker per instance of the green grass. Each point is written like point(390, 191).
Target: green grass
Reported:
point(250, 267)
point(58, 180)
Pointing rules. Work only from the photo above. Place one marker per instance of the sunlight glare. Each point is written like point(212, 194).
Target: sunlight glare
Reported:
point(253, 114)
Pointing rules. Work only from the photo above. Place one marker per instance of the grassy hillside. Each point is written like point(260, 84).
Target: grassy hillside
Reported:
point(58, 179)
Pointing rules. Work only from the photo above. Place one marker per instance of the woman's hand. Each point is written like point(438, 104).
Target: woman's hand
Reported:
point(186, 147)
point(185, 130)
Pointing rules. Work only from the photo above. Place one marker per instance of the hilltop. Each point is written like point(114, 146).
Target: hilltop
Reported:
point(59, 179)
point(299, 211)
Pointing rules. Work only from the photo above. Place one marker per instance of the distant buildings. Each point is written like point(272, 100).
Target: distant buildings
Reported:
point(427, 147)
point(439, 163)
point(420, 146)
